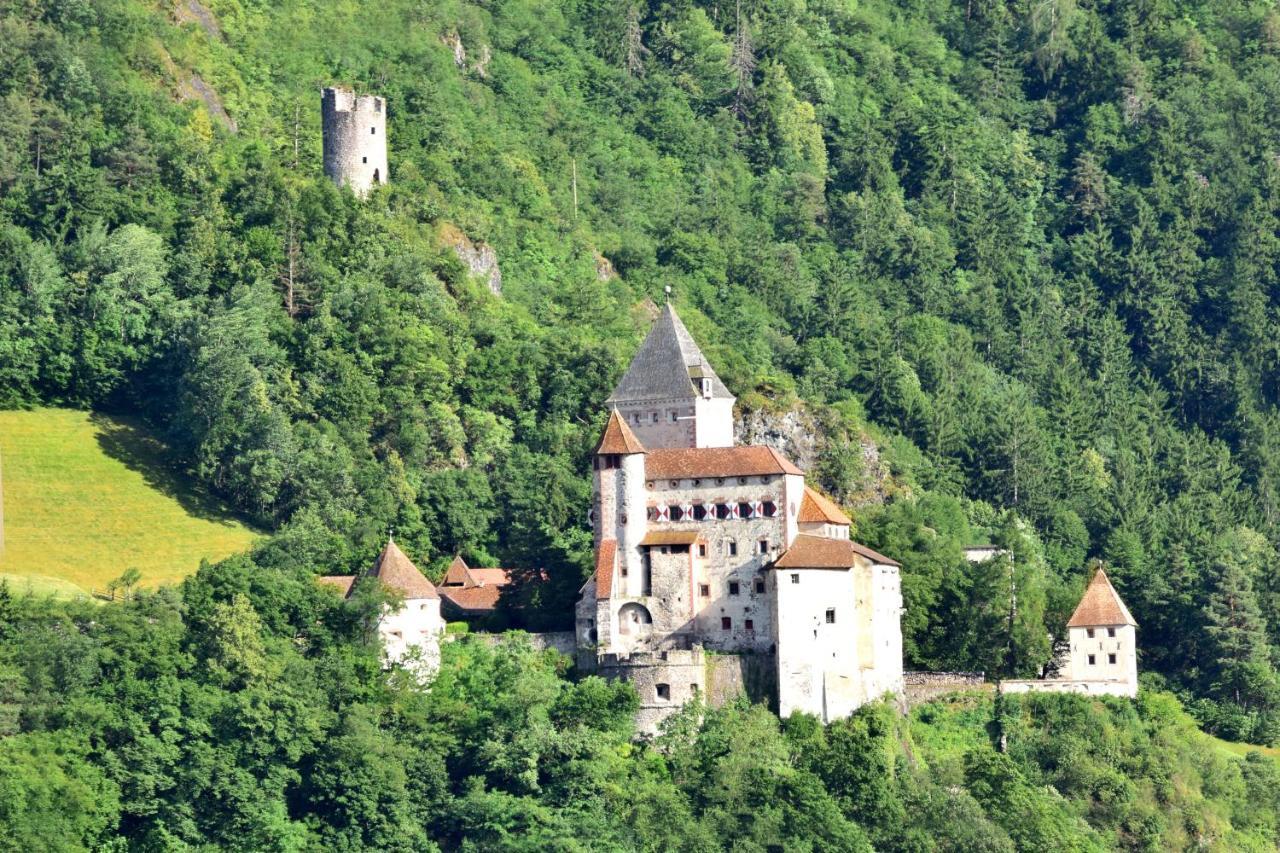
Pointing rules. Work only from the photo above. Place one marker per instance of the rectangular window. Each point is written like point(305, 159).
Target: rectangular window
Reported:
point(1111, 632)
point(672, 415)
point(364, 159)
point(750, 625)
point(1089, 633)
point(723, 511)
point(1092, 660)
point(704, 590)
point(744, 510)
point(702, 549)
point(732, 548)
point(655, 417)
point(769, 509)
point(726, 624)
point(1111, 659)
point(635, 418)
point(733, 587)
point(373, 131)
point(699, 512)
point(759, 585)
point(831, 616)
point(664, 691)
point(795, 578)
point(764, 546)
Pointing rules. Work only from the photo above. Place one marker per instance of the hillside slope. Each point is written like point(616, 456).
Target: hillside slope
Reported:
point(87, 497)
point(1031, 246)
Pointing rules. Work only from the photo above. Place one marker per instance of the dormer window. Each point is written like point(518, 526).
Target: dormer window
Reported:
point(706, 388)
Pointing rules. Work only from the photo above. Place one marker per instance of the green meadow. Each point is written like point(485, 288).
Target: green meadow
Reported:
point(88, 496)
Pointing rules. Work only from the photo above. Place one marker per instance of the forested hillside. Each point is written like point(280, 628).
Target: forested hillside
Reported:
point(1030, 248)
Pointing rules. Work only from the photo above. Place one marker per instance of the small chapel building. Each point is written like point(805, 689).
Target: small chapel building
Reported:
point(414, 629)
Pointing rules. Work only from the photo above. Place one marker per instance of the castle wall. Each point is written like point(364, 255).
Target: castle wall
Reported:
point(714, 422)
point(355, 139)
point(730, 676)
point(681, 672)
point(1088, 688)
point(885, 675)
point(921, 687)
point(818, 670)
point(663, 423)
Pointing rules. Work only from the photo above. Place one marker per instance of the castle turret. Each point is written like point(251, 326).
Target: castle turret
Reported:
point(670, 395)
point(1104, 639)
point(620, 499)
point(355, 139)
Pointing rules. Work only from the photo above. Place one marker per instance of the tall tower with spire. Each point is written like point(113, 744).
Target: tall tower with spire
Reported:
point(670, 396)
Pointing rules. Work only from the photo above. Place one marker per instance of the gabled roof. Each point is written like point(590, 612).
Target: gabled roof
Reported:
point(491, 577)
point(664, 366)
point(817, 508)
point(618, 437)
point(1100, 605)
point(342, 583)
point(818, 552)
point(676, 463)
point(459, 573)
point(398, 572)
point(606, 555)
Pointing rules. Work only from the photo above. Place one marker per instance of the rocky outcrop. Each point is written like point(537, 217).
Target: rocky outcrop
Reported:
point(194, 87)
point(792, 431)
point(480, 67)
point(195, 12)
point(604, 268)
point(478, 257)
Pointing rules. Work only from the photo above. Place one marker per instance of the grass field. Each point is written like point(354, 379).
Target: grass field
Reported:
point(87, 496)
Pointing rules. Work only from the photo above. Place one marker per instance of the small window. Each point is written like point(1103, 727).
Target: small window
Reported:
point(635, 418)
point(726, 623)
point(719, 481)
point(373, 131)
point(672, 415)
point(723, 511)
point(732, 548)
point(795, 578)
point(676, 512)
point(764, 546)
point(696, 482)
point(769, 509)
point(1092, 660)
point(664, 692)
point(704, 590)
point(749, 625)
point(1111, 658)
point(759, 585)
point(1089, 634)
point(675, 484)
point(744, 510)
point(742, 481)
point(655, 417)
point(624, 571)
point(1111, 632)
point(702, 549)
point(733, 587)
point(364, 159)
point(699, 512)
point(831, 616)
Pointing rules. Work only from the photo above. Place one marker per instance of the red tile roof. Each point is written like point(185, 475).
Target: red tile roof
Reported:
point(491, 577)
point(342, 583)
point(398, 572)
point(475, 599)
point(459, 573)
point(678, 463)
point(1100, 605)
point(817, 508)
point(818, 552)
point(618, 437)
point(606, 556)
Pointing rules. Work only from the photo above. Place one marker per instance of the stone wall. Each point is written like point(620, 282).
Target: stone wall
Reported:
point(921, 687)
point(752, 675)
point(355, 139)
point(664, 681)
point(1089, 688)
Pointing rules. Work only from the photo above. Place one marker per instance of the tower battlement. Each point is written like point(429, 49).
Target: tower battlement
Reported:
point(355, 139)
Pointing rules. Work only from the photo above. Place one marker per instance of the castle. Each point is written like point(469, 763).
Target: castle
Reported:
point(355, 139)
point(705, 547)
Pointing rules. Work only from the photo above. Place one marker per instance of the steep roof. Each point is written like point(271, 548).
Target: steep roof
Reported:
point(606, 554)
point(342, 583)
point(817, 508)
point(675, 463)
point(618, 437)
point(818, 552)
point(1100, 605)
point(459, 573)
point(664, 366)
point(398, 572)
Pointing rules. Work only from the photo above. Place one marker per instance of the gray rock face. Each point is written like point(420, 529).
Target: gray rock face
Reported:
point(793, 432)
point(482, 261)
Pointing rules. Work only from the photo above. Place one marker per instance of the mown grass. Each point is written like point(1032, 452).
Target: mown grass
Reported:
point(87, 496)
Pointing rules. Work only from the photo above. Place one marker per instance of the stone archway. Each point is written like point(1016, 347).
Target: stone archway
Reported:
point(635, 624)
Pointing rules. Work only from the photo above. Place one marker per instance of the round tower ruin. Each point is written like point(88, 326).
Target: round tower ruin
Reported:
point(355, 139)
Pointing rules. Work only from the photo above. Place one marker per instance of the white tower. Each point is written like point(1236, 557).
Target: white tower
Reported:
point(355, 139)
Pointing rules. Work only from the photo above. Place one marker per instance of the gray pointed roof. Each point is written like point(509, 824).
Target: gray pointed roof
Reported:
point(666, 365)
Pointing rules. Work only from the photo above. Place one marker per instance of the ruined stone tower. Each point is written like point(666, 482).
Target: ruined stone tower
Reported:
point(355, 139)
